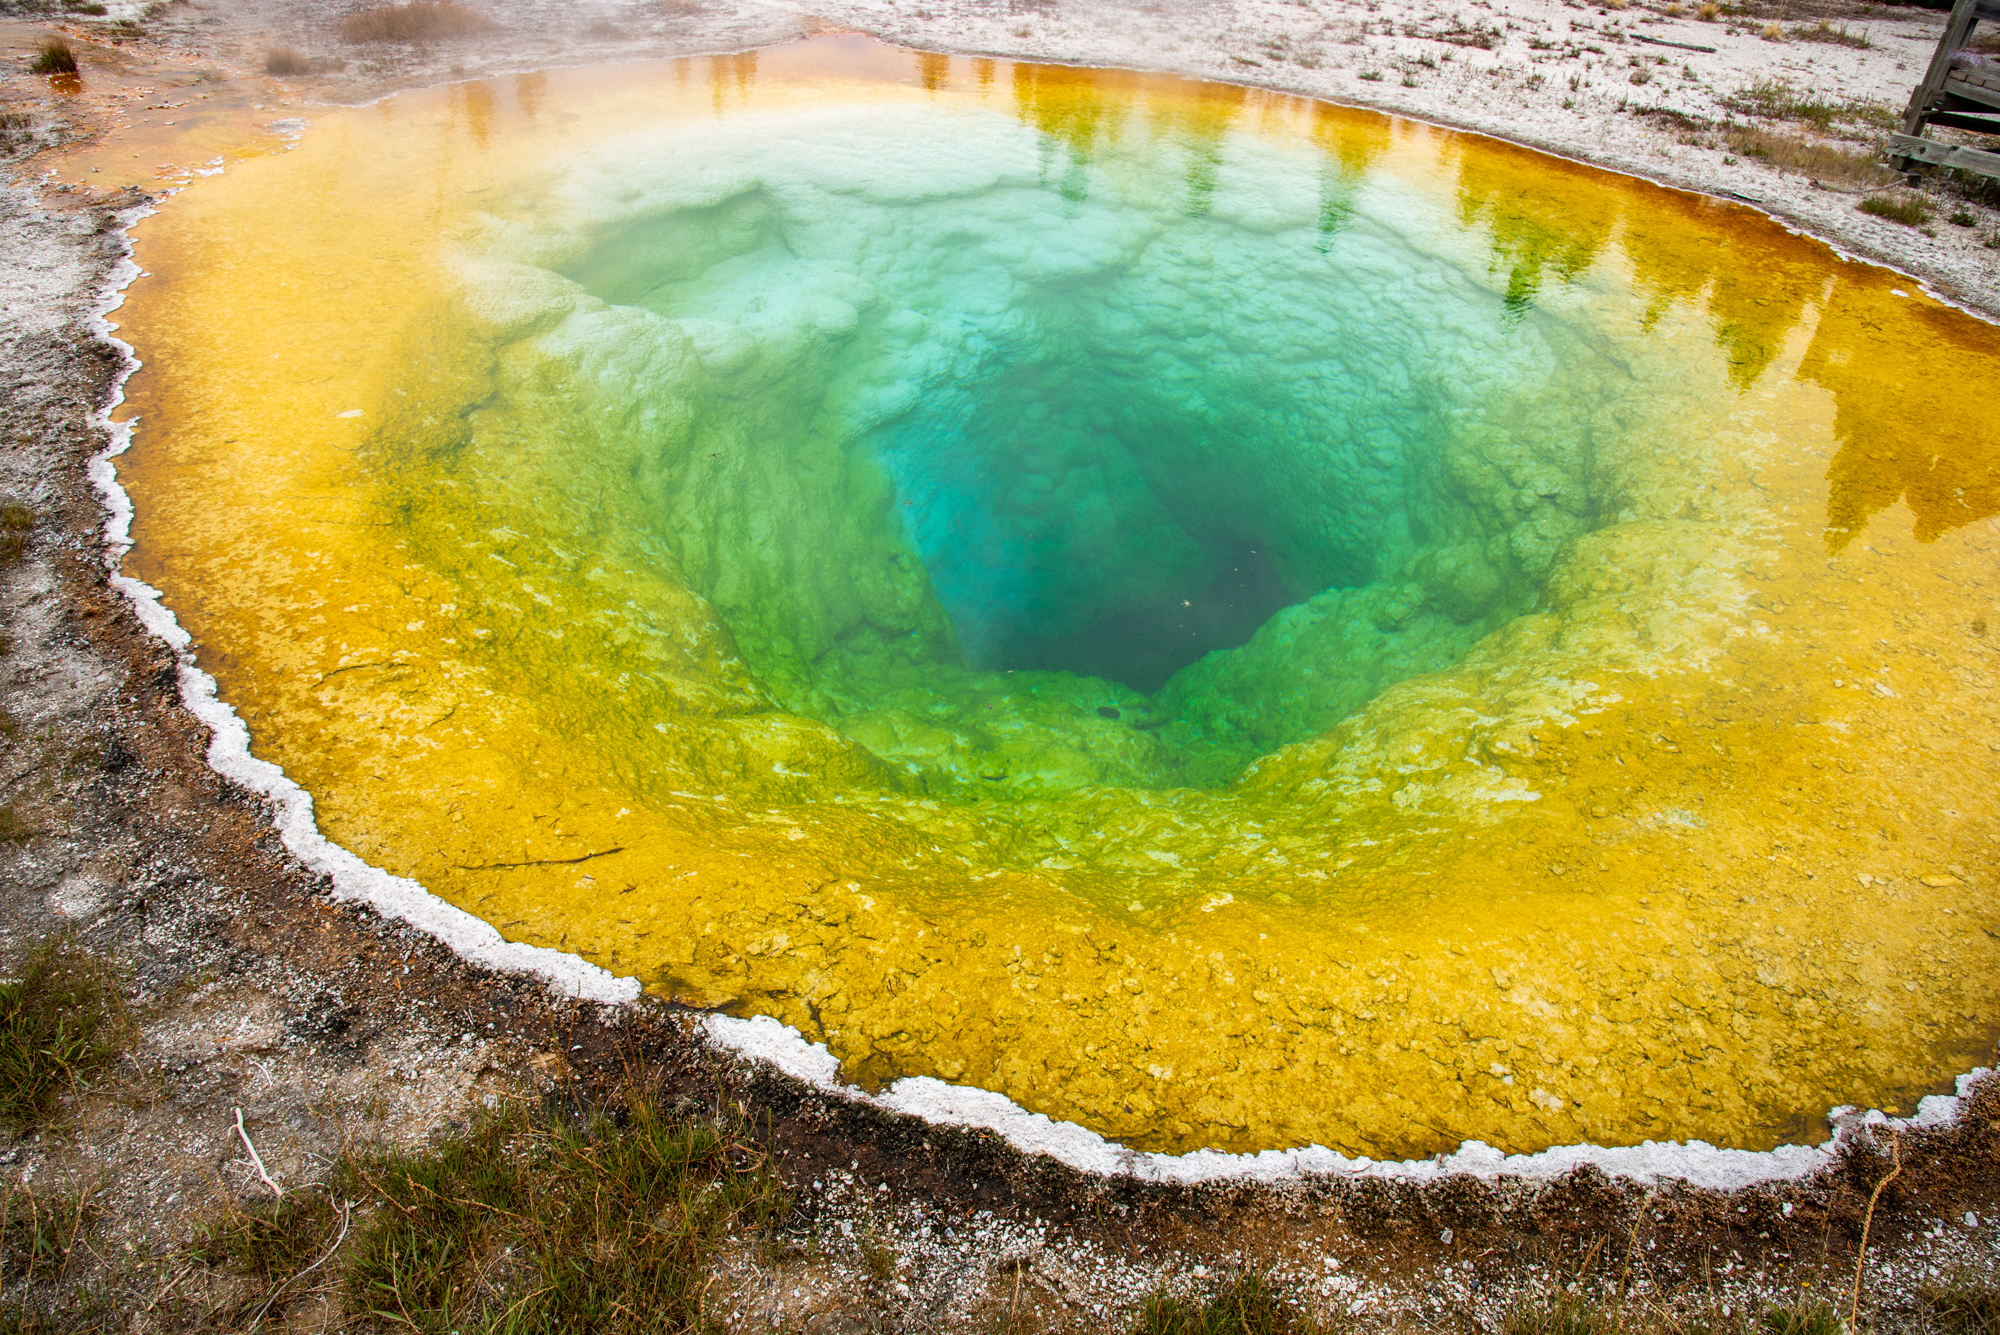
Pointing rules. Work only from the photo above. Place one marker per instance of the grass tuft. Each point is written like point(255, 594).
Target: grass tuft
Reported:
point(1962, 1306)
point(268, 1240)
point(39, 1233)
point(417, 21)
point(545, 1226)
point(1804, 1319)
point(1571, 1314)
point(1911, 212)
point(57, 1022)
point(524, 1223)
point(1809, 157)
point(1563, 1315)
point(1829, 33)
point(1973, 186)
point(284, 62)
point(1775, 99)
point(1243, 1306)
point(55, 57)
point(15, 523)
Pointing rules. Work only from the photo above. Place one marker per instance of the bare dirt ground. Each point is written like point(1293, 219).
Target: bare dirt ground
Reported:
point(250, 989)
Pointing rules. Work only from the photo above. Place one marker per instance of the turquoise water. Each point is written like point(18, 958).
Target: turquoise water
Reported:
point(1031, 470)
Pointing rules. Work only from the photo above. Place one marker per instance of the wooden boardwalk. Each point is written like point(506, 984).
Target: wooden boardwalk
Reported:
point(1961, 90)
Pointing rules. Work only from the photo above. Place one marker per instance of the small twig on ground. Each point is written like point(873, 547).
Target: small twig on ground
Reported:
point(255, 1157)
point(1867, 1220)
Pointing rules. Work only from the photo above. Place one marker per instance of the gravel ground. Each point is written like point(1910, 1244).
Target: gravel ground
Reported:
point(325, 1026)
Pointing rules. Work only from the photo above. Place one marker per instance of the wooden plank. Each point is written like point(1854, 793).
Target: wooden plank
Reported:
point(1917, 149)
point(1970, 91)
point(1944, 155)
point(1980, 121)
point(1956, 29)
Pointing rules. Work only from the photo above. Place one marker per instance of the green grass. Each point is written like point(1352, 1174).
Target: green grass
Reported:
point(1775, 99)
point(44, 1248)
point(58, 1023)
point(79, 1312)
point(55, 57)
point(1243, 1306)
point(1805, 1319)
point(40, 1234)
point(1910, 212)
point(269, 1240)
point(525, 1224)
point(1563, 1315)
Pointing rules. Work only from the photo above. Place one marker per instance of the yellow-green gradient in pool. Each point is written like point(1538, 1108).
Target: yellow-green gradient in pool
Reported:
point(1229, 620)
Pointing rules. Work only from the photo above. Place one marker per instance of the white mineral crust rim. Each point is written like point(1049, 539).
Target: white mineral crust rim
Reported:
point(767, 1040)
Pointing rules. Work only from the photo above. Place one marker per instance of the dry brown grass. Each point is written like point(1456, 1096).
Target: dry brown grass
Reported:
point(285, 62)
point(17, 131)
point(55, 57)
point(16, 523)
point(1832, 34)
point(418, 21)
point(1828, 163)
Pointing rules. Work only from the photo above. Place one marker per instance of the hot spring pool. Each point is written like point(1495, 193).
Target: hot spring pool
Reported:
point(1229, 620)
